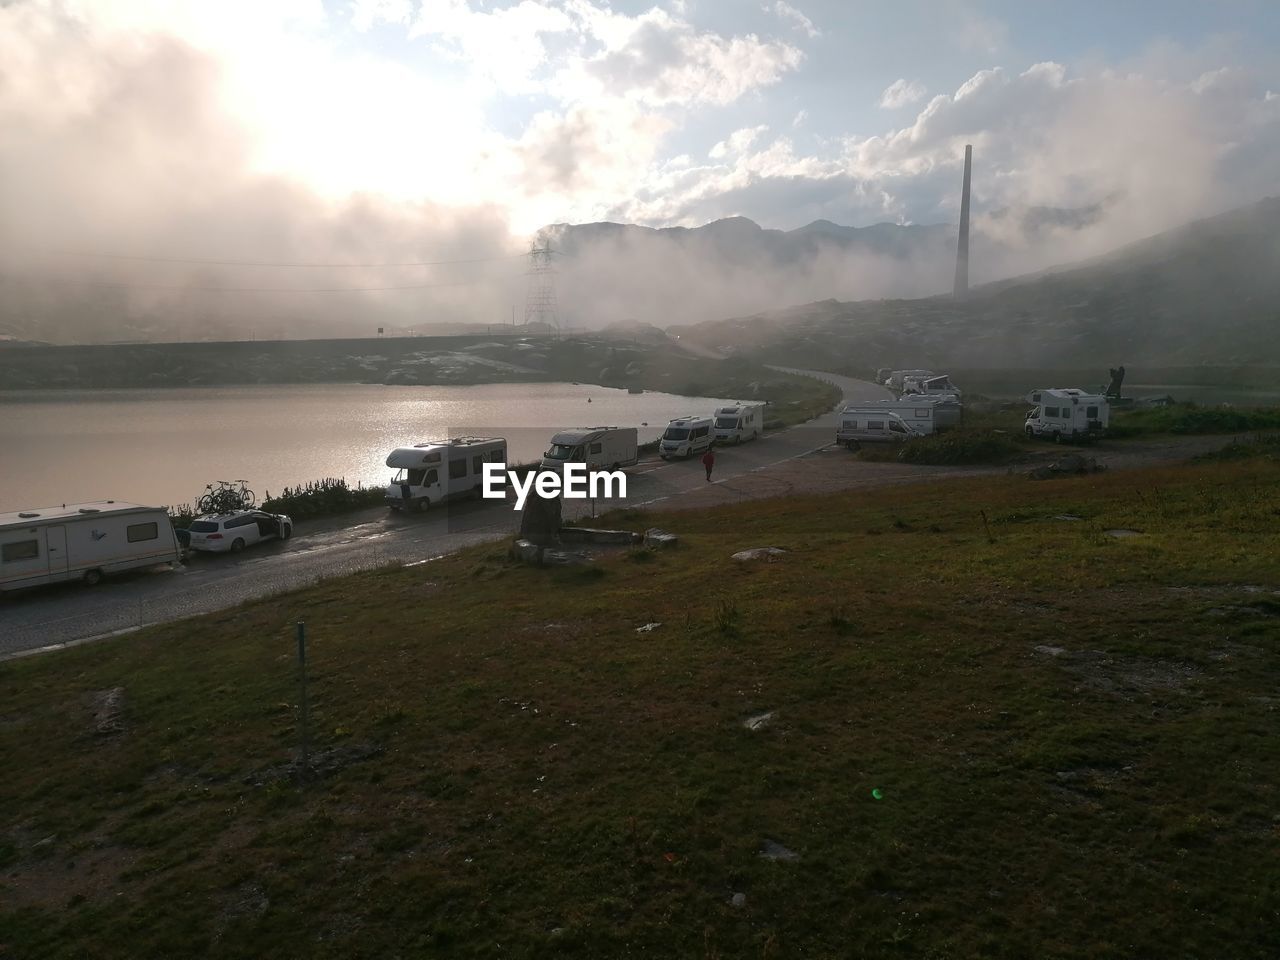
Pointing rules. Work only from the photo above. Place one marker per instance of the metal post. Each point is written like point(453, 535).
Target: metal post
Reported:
point(302, 679)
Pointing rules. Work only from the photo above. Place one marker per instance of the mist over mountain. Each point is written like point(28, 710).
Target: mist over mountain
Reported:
point(1207, 292)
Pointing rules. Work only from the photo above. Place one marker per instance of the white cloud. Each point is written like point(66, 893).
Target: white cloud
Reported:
point(367, 13)
point(800, 118)
point(900, 93)
point(738, 142)
point(797, 19)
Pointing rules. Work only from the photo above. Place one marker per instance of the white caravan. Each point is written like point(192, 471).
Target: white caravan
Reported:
point(742, 421)
point(930, 386)
point(686, 436)
point(896, 378)
point(876, 424)
point(1067, 413)
point(600, 448)
point(83, 541)
point(441, 470)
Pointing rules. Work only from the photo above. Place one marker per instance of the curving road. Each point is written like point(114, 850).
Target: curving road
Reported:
point(50, 617)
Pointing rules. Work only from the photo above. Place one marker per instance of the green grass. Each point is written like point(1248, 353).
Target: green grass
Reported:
point(1190, 418)
point(514, 771)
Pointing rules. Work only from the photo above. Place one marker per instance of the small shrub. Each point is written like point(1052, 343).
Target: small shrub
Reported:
point(321, 498)
point(726, 616)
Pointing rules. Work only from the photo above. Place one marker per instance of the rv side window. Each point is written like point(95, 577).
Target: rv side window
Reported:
point(595, 448)
point(851, 424)
point(699, 432)
point(1091, 413)
point(922, 412)
point(897, 428)
point(22, 550)
point(432, 479)
point(415, 477)
point(1050, 411)
point(477, 464)
point(875, 424)
point(137, 532)
point(457, 468)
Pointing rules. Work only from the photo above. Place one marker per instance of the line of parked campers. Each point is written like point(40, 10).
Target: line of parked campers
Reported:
point(443, 470)
point(929, 403)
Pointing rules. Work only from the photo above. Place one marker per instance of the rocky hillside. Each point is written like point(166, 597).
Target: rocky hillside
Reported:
point(1206, 292)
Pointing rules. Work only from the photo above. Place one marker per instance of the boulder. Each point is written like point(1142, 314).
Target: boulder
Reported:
point(767, 554)
point(526, 551)
point(564, 558)
point(540, 520)
point(655, 538)
point(591, 535)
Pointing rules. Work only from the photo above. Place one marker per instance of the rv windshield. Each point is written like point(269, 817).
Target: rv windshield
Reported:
point(411, 477)
point(560, 451)
point(676, 433)
point(727, 423)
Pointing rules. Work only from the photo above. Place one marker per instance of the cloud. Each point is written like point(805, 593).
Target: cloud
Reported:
point(797, 19)
point(900, 93)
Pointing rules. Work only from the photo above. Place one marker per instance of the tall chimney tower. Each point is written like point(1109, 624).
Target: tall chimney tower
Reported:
point(962, 247)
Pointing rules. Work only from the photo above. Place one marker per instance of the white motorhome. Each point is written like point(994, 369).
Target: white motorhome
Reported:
point(739, 422)
point(686, 436)
point(927, 414)
point(600, 448)
point(896, 378)
point(441, 470)
point(939, 385)
point(874, 423)
point(1067, 413)
point(83, 541)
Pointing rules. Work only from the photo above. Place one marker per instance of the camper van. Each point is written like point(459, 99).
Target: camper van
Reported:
point(83, 541)
point(873, 423)
point(1066, 413)
point(930, 386)
point(742, 421)
point(441, 470)
point(686, 436)
point(600, 448)
point(896, 379)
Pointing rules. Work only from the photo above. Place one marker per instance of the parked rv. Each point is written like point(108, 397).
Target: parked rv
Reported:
point(600, 448)
point(1067, 413)
point(895, 379)
point(686, 436)
point(926, 414)
point(83, 541)
point(930, 386)
point(441, 470)
point(876, 424)
point(742, 421)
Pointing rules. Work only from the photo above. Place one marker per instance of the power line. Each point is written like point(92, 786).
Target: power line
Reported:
point(283, 263)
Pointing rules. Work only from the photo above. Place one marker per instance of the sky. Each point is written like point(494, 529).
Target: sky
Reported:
point(451, 129)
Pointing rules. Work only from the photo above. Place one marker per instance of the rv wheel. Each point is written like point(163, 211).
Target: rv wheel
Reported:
point(1057, 437)
point(423, 504)
point(93, 577)
point(853, 445)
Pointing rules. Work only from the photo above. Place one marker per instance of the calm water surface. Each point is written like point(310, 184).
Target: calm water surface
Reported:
point(163, 446)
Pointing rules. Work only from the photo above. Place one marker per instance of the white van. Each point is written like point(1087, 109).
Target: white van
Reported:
point(83, 541)
point(441, 470)
point(600, 448)
point(742, 421)
point(1067, 413)
point(686, 436)
point(875, 424)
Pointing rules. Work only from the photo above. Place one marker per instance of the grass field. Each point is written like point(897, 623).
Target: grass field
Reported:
point(994, 732)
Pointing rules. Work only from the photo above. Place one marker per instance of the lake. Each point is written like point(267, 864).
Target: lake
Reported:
point(162, 447)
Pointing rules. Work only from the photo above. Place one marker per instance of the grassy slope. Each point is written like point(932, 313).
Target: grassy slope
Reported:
point(551, 782)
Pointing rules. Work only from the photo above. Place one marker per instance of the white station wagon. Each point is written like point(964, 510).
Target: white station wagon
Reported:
point(234, 531)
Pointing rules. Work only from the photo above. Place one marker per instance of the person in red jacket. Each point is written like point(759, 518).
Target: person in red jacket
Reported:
point(708, 461)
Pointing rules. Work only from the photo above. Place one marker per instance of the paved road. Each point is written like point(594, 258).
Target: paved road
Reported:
point(72, 612)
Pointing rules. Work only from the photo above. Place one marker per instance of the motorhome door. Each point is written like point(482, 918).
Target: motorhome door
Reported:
point(56, 541)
